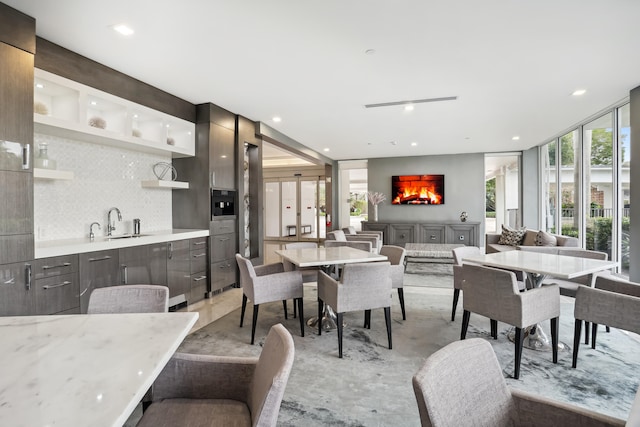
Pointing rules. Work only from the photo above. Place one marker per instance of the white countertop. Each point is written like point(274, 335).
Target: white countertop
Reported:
point(83, 370)
point(313, 257)
point(53, 248)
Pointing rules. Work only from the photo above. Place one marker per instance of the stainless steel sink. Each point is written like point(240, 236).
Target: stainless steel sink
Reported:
point(125, 236)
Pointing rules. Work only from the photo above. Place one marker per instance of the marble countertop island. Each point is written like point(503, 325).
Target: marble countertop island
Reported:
point(83, 370)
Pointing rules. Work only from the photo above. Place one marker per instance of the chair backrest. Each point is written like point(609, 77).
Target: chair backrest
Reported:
point(247, 274)
point(129, 299)
point(337, 235)
point(394, 254)
point(462, 384)
point(349, 230)
point(363, 286)
point(490, 292)
point(300, 245)
point(463, 252)
point(270, 377)
point(618, 285)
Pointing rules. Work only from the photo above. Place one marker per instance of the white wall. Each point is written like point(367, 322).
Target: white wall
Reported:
point(104, 177)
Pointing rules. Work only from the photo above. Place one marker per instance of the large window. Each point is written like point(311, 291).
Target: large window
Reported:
point(588, 195)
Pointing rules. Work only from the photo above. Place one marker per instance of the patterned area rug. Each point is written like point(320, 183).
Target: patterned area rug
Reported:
point(371, 385)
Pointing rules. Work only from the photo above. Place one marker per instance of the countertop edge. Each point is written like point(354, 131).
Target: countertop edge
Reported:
point(55, 248)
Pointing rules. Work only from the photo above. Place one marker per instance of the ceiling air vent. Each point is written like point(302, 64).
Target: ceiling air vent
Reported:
point(412, 101)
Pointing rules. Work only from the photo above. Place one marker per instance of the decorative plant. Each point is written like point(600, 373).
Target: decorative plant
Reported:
point(376, 198)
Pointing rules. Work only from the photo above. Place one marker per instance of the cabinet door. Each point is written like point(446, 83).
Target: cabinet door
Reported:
point(144, 265)
point(432, 233)
point(17, 296)
point(198, 287)
point(463, 234)
point(97, 270)
point(16, 95)
point(402, 233)
point(179, 269)
point(222, 157)
point(223, 274)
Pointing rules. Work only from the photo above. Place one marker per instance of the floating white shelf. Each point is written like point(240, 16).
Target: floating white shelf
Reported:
point(179, 185)
point(52, 174)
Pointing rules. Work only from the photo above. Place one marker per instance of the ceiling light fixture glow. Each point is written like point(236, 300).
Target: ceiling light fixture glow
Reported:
point(39, 85)
point(277, 119)
point(408, 107)
point(579, 92)
point(123, 29)
point(413, 144)
point(325, 150)
point(516, 138)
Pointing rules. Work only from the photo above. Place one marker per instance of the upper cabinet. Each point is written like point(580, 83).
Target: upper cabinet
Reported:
point(69, 109)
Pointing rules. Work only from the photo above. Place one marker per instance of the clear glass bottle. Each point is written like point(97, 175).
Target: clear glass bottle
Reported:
point(42, 160)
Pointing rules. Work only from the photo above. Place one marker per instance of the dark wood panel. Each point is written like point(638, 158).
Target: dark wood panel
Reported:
point(199, 287)
point(16, 209)
point(179, 269)
point(16, 95)
point(211, 113)
point(222, 162)
point(17, 29)
point(223, 274)
point(55, 266)
point(15, 248)
point(223, 247)
point(16, 299)
point(97, 270)
point(63, 62)
point(57, 294)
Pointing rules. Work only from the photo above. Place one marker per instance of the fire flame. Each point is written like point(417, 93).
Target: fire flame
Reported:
point(422, 195)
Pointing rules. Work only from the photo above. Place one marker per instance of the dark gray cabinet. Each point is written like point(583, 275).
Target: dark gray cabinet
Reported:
point(16, 139)
point(198, 280)
point(97, 270)
point(179, 271)
point(145, 264)
point(223, 252)
point(57, 287)
point(400, 233)
point(17, 294)
point(222, 157)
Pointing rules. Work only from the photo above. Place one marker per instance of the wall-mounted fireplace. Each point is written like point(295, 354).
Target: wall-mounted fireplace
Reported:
point(417, 189)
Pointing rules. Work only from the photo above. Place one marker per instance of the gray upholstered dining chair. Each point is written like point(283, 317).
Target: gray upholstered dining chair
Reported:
point(462, 385)
point(458, 255)
point(129, 299)
point(351, 231)
point(613, 302)
point(495, 293)
point(199, 390)
point(268, 283)
point(362, 286)
point(395, 255)
point(338, 238)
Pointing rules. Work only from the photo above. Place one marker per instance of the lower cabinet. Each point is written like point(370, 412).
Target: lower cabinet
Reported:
point(223, 266)
point(97, 270)
point(57, 285)
point(146, 265)
point(17, 293)
point(401, 233)
point(199, 287)
point(178, 271)
point(223, 274)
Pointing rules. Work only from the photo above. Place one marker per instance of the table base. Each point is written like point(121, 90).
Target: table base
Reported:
point(329, 320)
point(535, 338)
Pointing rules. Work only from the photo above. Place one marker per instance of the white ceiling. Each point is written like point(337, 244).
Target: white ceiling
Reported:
point(512, 64)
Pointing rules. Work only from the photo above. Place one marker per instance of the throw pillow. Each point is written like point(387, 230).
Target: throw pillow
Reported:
point(545, 239)
point(530, 238)
point(511, 237)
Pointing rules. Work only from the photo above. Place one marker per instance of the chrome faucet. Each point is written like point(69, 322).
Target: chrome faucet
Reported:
point(91, 235)
point(112, 225)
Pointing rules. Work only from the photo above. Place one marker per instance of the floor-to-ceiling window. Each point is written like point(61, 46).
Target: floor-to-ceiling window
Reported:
point(587, 196)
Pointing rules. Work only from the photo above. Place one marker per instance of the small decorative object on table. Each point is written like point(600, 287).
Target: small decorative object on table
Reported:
point(165, 171)
point(136, 133)
point(171, 141)
point(40, 108)
point(42, 160)
point(98, 122)
point(375, 199)
point(463, 216)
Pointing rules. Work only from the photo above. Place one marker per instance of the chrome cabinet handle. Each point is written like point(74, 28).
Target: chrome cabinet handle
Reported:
point(84, 291)
point(104, 258)
point(170, 250)
point(27, 272)
point(199, 255)
point(200, 243)
point(25, 156)
point(48, 267)
point(58, 285)
point(197, 279)
point(11, 281)
point(124, 274)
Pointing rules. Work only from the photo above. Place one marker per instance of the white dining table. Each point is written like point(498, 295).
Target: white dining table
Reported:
point(538, 266)
point(326, 258)
point(83, 370)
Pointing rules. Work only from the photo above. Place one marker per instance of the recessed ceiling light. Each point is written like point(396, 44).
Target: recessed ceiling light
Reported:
point(277, 119)
point(94, 103)
point(516, 138)
point(325, 150)
point(413, 144)
point(39, 85)
point(123, 29)
point(408, 107)
point(579, 92)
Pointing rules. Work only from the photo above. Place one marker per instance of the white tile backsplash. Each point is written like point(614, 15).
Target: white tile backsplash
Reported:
point(104, 177)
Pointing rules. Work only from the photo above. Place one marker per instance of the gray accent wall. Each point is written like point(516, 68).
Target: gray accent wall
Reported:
point(530, 189)
point(634, 268)
point(464, 187)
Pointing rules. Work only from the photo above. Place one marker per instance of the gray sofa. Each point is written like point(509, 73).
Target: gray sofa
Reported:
point(529, 240)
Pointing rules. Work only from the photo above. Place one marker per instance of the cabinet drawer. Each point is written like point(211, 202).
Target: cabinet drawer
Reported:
point(199, 244)
point(224, 226)
point(198, 261)
point(401, 234)
point(223, 274)
point(56, 294)
point(55, 266)
point(198, 287)
point(463, 234)
point(223, 247)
